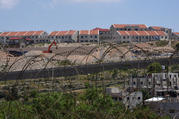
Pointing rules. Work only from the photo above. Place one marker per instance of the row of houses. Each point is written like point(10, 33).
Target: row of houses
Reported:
point(117, 33)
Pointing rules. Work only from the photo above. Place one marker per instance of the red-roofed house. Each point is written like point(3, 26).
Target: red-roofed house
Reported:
point(138, 36)
point(35, 36)
point(168, 31)
point(88, 36)
point(64, 36)
point(104, 34)
point(128, 27)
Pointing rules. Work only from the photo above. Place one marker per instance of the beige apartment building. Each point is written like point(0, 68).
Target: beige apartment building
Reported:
point(104, 34)
point(64, 36)
point(35, 36)
point(168, 31)
point(88, 36)
point(138, 36)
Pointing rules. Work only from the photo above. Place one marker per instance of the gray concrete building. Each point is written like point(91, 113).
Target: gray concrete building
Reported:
point(129, 99)
point(158, 81)
point(175, 36)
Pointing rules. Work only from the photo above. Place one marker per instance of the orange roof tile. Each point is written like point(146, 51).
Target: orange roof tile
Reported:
point(62, 33)
point(4, 33)
point(12, 33)
point(53, 33)
point(22, 33)
point(142, 33)
point(101, 29)
point(94, 32)
point(156, 27)
point(177, 33)
point(129, 25)
point(161, 33)
point(71, 32)
point(84, 32)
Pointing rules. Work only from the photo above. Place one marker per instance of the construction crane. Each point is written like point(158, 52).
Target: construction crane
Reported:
point(49, 48)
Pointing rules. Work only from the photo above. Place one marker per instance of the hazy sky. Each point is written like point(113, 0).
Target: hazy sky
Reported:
point(51, 15)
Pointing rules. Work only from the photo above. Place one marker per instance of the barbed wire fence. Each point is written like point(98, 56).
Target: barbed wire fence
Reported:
point(64, 83)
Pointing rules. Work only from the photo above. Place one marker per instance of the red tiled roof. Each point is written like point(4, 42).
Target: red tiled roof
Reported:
point(71, 32)
point(22, 33)
point(156, 27)
point(94, 32)
point(84, 32)
point(62, 33)
point(53, 33)
point(142, 33)
point(177, 33)
point(101, 29)
point(129, 25)
point(89, 32)
point(4, 33)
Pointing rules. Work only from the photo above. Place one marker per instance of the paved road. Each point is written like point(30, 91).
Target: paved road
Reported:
point(82, 69)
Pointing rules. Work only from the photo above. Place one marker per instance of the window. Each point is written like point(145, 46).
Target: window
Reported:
point(138, 98)
point(124, 37)
point(134, 83)
point(86, 36)
point(172, 111)
point(114, 98)
point(127, 98)
point(91, 36)
point(96, 37)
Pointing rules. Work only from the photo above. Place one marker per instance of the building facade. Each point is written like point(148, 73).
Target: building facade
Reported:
point(104, 34)
point(129, 99)
point(138, 36)
point(175, 36)
point(168, 81)
point(88, 36)
point(168, 31)
point(35, 36)
point(64, 36)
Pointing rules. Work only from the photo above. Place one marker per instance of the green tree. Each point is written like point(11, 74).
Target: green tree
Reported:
point(154, 68)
